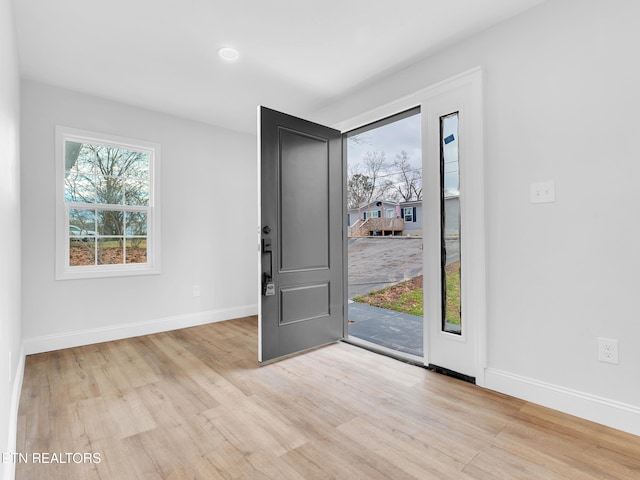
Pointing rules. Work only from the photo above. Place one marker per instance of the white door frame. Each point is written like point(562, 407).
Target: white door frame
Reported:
point(466, 89)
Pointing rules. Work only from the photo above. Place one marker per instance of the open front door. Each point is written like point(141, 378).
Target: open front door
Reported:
point(301, 247)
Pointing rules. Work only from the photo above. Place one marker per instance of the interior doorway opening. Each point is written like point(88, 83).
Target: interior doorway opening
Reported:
point(384, 230)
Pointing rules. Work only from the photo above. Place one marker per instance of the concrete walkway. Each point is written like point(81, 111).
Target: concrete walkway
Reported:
point(398, 331)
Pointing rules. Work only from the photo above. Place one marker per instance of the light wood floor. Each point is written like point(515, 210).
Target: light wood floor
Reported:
point(193, 404)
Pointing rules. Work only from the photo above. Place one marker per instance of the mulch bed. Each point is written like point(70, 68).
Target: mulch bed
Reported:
point(391, 294)
point(84, 255)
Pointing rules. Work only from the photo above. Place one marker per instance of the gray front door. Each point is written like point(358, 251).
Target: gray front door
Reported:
point(302, 298)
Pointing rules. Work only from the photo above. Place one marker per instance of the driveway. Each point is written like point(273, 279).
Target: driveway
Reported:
point(379, 262)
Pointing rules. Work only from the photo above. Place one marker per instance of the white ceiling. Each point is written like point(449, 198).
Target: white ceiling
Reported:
point(296, 55)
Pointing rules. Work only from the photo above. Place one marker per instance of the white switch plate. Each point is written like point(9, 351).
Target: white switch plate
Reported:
point(196, 290)
point(543, 192)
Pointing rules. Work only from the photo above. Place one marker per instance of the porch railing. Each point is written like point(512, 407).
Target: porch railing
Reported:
point(373, 226)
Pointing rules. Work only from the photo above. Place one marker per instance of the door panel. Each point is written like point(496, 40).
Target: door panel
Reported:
point(304, 201)
point(302, 302)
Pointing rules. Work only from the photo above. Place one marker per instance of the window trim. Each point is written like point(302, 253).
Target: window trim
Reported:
point(63, 270)
point(408, 212)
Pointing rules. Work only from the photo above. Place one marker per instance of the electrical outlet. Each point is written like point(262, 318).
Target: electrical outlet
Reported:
point(608, 350)
point(196, 290)
point(543, 192)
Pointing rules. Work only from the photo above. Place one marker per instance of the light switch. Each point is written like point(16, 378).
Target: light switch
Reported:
point(543, 192)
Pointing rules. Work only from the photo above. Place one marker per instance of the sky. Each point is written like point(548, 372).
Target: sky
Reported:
point(405, 135)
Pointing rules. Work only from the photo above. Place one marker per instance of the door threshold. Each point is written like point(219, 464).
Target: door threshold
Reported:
point(388, 352)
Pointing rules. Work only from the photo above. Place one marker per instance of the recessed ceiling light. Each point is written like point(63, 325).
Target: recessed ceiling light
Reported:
point(228, 53)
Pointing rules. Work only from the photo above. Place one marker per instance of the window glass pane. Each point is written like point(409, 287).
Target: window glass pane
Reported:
point(136, 191)
point(107, 160)
point(137, 166)
point(82, 251)
point(79, 187)
point(110, 223)
point(109, 190)
point(450, 184)
point(119, 160)
point(77, 159)
point(136, 251)
point(82, 223)
point(110, 250)
point(127, 163)
point(136, 224)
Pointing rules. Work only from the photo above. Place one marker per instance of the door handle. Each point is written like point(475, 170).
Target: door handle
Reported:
point(268, 286)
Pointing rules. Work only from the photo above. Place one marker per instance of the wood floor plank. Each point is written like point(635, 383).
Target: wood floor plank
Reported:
point(194, 404)
point(494, 463)
point(407, 454)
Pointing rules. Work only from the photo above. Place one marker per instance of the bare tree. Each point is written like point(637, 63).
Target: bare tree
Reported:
point(376, 166)
point(99, 175)
point(409, 184)
point(369, 180)
point(359, 189)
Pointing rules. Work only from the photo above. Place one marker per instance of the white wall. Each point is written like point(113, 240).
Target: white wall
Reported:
point(203, 167)
point(561, 102)
point(10, 326)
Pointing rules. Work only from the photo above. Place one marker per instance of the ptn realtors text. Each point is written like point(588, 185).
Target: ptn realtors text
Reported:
point(51, 457)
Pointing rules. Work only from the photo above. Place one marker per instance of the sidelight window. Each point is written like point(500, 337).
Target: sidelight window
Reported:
point(450, 225)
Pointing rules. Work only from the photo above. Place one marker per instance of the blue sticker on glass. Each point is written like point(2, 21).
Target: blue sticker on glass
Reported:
point(449, 139)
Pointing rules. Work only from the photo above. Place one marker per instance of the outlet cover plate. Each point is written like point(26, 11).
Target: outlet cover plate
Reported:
point(608, 350)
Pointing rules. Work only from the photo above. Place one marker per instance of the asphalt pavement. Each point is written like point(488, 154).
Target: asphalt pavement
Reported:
point(379, 262)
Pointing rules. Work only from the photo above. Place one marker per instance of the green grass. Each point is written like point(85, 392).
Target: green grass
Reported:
point(407, 297)
point(410, 302)
point(453, 294)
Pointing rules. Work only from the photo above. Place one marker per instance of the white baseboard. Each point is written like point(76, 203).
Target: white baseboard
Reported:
point(611, 413)
point(9, 468)
point(47, 343)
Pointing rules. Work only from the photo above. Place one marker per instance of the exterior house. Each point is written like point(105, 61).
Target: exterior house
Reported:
point(403, 218)
point(385, 218)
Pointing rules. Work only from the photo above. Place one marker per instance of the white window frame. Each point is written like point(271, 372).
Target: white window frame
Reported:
point(408, 212)
point(64, 271)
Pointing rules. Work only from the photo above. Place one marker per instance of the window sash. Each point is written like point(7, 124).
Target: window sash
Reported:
point(408, 214)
